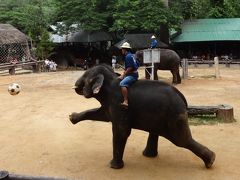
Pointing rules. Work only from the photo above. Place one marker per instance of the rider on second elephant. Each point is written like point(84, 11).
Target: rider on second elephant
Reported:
point(154, 42)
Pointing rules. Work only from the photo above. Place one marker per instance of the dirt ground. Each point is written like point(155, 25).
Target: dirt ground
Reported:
point(38, 139)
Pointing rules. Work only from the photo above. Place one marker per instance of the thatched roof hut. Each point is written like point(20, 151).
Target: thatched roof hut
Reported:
point(9, 35)
point(13, 44)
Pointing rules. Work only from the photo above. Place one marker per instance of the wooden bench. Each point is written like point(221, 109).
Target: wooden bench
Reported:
point(12, 66)
point(223, 111)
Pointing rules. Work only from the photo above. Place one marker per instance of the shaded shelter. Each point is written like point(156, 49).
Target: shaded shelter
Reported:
point(81, 46)
point(85, 36)
point(14, 45)
point(209, 37)
point(139, 41)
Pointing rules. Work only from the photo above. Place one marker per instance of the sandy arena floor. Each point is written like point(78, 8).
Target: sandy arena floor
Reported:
point(38, 139)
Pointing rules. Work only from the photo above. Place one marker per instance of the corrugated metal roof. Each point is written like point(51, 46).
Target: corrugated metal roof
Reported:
point(210, 30)
point(90, 36)
point(82, 36)
point(139, 41)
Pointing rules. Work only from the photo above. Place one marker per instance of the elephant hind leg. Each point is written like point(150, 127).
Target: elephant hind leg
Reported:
point(180, 134)
point(178, 77)
point(174, 74)
point(203, 152)
point(151, 149)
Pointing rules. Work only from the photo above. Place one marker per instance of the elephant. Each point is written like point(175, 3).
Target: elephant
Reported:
point(154, 106)
point(169, 60)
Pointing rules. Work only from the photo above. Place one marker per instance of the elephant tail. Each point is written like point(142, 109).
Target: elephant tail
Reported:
point(180, 63)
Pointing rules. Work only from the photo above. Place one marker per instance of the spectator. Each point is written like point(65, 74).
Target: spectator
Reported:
point(114, 61)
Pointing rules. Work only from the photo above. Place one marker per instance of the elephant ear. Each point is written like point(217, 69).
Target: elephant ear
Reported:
point(97, 83)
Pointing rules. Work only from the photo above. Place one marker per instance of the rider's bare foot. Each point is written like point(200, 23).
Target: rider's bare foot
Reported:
point(125, 104)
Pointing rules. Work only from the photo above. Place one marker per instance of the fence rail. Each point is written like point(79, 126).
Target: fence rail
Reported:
point(186, 62)
point(36, 65)
point(195, 62)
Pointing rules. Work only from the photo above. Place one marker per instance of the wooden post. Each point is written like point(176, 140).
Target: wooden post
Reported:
point(216, 64)
point(210, 64)
point(36, 67)
point(185, 69)
point(227, 64)
point(12, 70)
point(225, 112)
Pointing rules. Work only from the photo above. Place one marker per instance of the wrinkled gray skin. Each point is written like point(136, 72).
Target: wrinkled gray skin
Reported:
point(154, 106)
point(169, 60)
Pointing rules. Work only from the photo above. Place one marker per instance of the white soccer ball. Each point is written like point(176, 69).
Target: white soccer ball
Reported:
point(14, 89)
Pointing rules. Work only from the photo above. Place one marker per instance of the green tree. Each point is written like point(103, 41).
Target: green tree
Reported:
point(90, 15)
point(116, 15)
point(45, 46)
point(30, 16)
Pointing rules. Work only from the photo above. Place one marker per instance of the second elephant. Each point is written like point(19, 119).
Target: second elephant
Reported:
point(169, 60)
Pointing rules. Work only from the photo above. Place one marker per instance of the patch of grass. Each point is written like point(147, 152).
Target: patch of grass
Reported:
point(204, 120)
point(208, 76)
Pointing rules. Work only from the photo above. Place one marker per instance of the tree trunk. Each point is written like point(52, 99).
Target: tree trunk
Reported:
point(225, 112)
point(164, 33)
point(202, 110)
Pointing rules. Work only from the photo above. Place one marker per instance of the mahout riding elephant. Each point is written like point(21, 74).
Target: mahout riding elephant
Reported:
point(154, 106)
point(169, 60)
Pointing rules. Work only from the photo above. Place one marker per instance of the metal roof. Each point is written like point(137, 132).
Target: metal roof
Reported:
point(82, 36)
point(85, 36)
point(209, 30)
point(139, 41)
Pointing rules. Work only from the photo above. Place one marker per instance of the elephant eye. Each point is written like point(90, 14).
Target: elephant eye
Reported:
point(91, 80)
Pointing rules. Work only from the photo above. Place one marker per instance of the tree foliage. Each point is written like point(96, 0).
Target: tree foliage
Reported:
point(90, 15)
point(193, 9)
point(33, 17)
point(30, 16)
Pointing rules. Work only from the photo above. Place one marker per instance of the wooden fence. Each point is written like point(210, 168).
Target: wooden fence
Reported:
point(36, 66)
point(210, 63)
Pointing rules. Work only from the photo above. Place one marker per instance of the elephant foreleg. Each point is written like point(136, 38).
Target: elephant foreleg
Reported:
point(120, 135)
point(97, 114)
point(155, 73)
point(147, 73)
point(121, 129)
point(151, 149)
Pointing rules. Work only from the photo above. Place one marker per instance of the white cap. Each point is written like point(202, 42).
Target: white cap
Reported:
point(126, 45)
point(153, 37)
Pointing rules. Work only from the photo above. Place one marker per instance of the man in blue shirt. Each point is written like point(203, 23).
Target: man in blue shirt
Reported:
point(154, 42)
point(130, 74)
